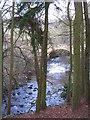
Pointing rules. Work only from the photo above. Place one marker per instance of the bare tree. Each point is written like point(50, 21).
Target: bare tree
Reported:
point(11, 62)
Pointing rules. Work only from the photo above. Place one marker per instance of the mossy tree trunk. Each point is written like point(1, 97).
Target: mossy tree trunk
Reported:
point(38, 75)
point(41, 66)
point(11, 63)
point(82, 39)
point(87, 50)
point(44, 58)
point(1, 62)
point(89, 68)
point(76, 82)
point(37, 68)
point(70, 73)
point(89, 71)
point(41, 98)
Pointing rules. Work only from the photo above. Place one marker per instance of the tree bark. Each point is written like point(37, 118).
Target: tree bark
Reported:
point(38, 75)
point(11, 62)
point(76, 82)
point(82, 39)
point(41, 99)
point(70, 73)
point(1, 63)
point(44, 58)
point(89, 73)
point(87, 50)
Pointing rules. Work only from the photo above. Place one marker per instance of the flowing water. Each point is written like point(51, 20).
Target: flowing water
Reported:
point(23, 99)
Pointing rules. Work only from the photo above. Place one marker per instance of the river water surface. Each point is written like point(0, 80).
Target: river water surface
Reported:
point(23, 99)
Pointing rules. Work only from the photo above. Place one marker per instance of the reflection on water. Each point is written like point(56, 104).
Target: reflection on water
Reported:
point(23, 99)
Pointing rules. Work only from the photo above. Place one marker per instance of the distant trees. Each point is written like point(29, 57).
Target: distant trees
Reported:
point(11, 62)
point(1, 62)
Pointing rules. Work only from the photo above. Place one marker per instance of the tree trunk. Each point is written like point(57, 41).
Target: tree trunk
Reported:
point(76, 82)
point(87, 50)
point(41, 99)
point(1, 62)
point(89, 73)
point(82, 54)
point(37, 70)
point(70, 73)
point(44, 58)
point(38, 105)
point(11, 63)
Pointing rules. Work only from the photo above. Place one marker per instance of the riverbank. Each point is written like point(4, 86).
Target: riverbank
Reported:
point(62, 111)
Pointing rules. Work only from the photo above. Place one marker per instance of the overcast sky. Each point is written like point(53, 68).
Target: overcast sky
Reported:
point(53, 13)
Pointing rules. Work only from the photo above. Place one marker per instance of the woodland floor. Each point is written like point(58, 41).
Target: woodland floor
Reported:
point(63, 111)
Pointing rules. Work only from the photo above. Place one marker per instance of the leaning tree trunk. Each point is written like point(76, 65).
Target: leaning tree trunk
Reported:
point(76, 82)
point(1, 62)
point(11, 63)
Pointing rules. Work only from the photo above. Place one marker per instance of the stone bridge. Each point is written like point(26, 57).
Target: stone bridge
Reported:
point(57, 53)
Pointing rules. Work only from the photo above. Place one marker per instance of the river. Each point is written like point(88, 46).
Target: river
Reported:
point(23, 99)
